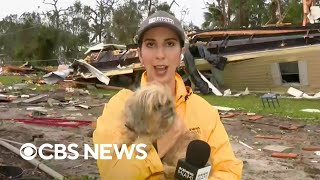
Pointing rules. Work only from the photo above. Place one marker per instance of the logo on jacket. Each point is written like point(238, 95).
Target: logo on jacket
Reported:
point(196, 129)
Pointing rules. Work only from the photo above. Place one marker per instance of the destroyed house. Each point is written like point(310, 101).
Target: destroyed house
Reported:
point(109, 58)
point(261, 59)
point(264, 59)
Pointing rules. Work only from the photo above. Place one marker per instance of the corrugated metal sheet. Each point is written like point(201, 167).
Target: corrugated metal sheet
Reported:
point(245, 32)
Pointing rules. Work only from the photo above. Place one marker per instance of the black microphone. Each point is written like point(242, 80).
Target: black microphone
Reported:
point(194, 166)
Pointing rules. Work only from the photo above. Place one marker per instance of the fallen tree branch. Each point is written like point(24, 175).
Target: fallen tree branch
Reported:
point(255, 122)
point(35, 162)
point(107, 87)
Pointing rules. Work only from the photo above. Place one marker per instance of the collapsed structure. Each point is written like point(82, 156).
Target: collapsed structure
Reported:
point(261, 59)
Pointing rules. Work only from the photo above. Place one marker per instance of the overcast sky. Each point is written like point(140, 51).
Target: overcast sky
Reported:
point(195, 7)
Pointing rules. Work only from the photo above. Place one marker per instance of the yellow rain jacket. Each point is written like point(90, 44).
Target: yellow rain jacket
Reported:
point(198, 115)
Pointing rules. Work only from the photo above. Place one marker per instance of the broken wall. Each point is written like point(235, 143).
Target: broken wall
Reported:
point(260, 74)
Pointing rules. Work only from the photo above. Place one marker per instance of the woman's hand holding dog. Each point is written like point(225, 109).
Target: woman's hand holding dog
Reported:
point(168, 140)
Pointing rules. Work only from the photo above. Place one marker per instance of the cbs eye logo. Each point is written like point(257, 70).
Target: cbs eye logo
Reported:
point(28, 151)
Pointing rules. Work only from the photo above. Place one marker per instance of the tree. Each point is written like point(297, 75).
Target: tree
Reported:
point(248, 13)
point(77, 23)
point(125, 22)
point(46, 45)
point(213, 18)
point(25, 45)
point(8, 26)
point(56, 14)
point(100, 17)
point(147, 6)
point(164, 7)
point(293, 12)
point(29, 38)
point(251, 13)
point(190, 27)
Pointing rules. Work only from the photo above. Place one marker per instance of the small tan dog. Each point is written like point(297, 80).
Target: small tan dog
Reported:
point(178, 151)
point(148, 114)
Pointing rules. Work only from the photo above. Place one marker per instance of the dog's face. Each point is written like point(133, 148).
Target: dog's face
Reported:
point(150, 111)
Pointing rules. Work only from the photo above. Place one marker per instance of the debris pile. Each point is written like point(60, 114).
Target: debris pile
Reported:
point(300, 94)
point(273, 140)
point(64, 115)
point(23, 69)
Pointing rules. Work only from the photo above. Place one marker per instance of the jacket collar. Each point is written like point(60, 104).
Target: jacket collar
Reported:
point(182, 91)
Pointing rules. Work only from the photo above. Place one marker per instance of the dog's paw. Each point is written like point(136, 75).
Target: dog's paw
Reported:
point(169, 172)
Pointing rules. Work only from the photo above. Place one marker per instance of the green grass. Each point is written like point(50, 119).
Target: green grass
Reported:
point(288, 107)
point(44, 87)
point(85, 177)
point(103, 91)
point(251, 103)
point(10, 80)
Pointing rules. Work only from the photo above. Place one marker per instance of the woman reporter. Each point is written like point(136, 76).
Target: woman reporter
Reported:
point(161, 47)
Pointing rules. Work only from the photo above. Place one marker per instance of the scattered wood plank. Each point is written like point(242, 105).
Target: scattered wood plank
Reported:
point(284, 155)
point(246, 145)
point(256, 117)
point(291, 127)
point(268, 124)
point(229, 115)
point(267, 137)
point(34, 99)
point(35, 162)
point(83, 106)
point(311, 148)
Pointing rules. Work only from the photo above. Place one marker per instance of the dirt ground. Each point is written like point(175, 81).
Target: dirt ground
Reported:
point(257, 164)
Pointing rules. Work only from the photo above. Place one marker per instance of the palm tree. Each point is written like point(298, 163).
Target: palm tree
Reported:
point(213, 18)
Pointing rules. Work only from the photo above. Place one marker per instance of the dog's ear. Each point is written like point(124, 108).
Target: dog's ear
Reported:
point(129, 126)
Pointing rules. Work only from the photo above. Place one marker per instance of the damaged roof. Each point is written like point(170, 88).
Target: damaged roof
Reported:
point(103, 46)
point(249, 40)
